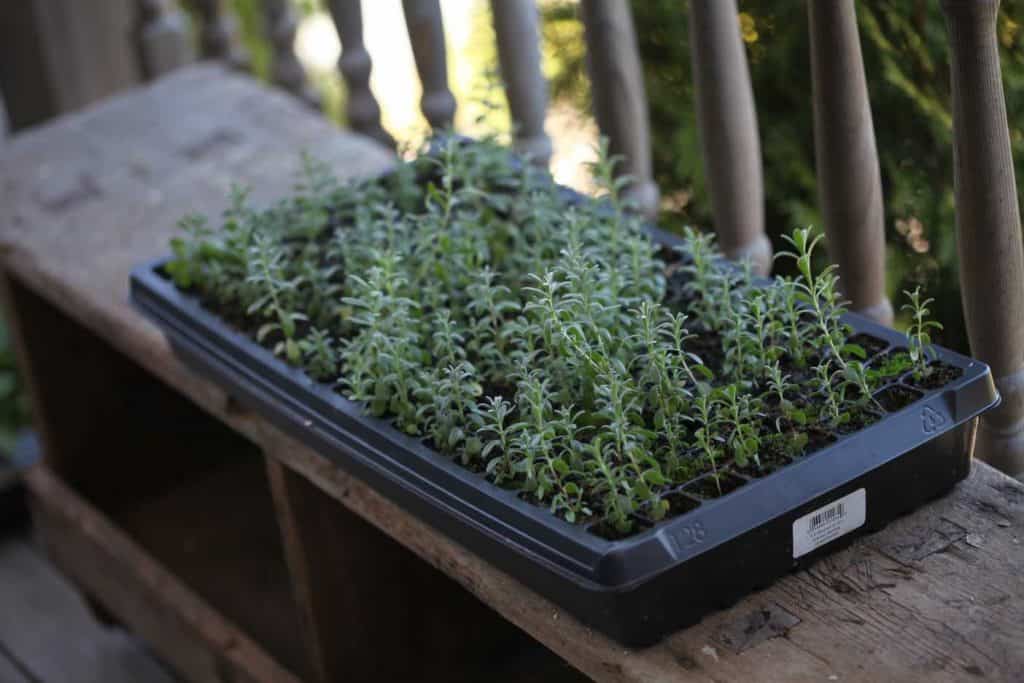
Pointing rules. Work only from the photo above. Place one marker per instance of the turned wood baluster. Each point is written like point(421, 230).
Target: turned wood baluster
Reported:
point(426, 34)
point(218, 35)
point(727, 121)
point(286, 70)
point(988, 224)
point(518, 38)
point(849, 180)
point(619, 99)
point(163, 40)
point(362, 110)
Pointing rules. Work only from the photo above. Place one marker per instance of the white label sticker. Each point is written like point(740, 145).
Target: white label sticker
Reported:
point(829, 522)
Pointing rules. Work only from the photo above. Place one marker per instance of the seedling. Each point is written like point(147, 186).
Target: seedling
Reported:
point(820, 293)
point(277, 297)
point(919, 333)
point(533, 341)
point(791, 320)
point(741, 421)
point(452, 401)
point(492, 421)
point(833, 393)
point(320, 358)
point(707, 421)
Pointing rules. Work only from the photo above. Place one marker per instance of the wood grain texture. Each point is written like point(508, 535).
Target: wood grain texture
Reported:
point(730, 142)
point(142, 594)
point(46, 628)
point(25, 77)
point(60, 55)
point(354, 581)
point(178, 482)
point(988, 224)
point(619, 96)
point(219, 535)
point(361, 108)
point(849, 179)
point(426, 35)
point(518, 38)
point(936, 596)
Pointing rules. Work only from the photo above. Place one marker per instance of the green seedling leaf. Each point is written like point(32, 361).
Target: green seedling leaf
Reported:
point(854, 350)
point(655, 477)
point(292, 351)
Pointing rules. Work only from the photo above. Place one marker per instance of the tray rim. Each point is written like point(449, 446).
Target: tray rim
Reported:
point(605, 565)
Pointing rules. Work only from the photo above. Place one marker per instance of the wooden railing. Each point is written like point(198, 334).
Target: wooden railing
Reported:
point(849, 181)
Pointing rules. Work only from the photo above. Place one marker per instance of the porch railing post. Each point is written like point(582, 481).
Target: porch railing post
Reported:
point(518, 38)
point(426, 34)
point(162, 37)
point(286, 69)
point(218, 34)
point(727, 121)
point(617, 87)
point(361, 106)
point(988, 224)
point(849, 179)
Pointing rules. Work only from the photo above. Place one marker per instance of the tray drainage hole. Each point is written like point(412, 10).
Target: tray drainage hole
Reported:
point(897, 397)
point(707, 488)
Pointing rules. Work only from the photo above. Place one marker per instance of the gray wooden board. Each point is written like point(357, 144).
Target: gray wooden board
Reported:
point(10, 672)
point(46, 627)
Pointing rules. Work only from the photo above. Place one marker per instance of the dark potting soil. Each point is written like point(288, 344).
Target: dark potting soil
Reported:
point(939, 375)
point(897, 397)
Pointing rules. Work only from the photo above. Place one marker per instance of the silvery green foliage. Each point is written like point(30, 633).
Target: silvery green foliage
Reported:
point(530, 337)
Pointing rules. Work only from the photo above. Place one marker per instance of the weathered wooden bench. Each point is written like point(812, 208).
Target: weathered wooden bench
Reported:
point(242, 555)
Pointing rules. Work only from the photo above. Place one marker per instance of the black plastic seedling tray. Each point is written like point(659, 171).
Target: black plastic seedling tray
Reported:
point(639, 588)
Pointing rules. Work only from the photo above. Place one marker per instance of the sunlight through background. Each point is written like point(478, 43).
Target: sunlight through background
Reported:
point(470, 48)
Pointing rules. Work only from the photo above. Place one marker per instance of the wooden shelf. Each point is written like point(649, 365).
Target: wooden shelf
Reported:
point(200, 642)
point(219, 536)
point(183, 491)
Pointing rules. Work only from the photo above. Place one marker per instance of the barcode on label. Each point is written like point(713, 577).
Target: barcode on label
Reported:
point(829, 522)
point(833, 513)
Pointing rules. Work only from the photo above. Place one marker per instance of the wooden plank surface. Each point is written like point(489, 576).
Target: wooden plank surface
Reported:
point(219, 536)
point(48, 633)
point(10, 671)
point(183, 629)
point(401, 619)
point(936, 596)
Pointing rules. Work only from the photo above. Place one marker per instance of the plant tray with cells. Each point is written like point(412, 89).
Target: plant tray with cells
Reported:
point(628, 424)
